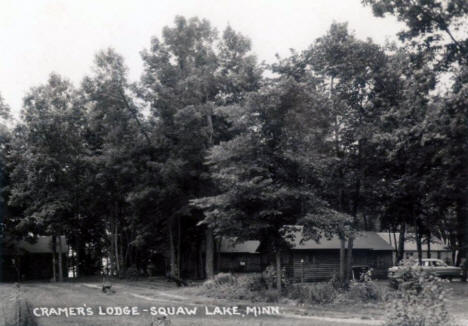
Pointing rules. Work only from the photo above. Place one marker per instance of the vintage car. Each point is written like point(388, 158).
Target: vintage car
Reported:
point(436, 267)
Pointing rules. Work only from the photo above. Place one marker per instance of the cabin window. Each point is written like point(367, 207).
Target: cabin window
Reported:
point(312, 259)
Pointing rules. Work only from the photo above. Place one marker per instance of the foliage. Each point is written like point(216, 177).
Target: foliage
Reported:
point(313, 293)
point(345, 135)
point(237, 287)
point(269, 275)
point(364, 290)
point(420, 300)
point(439, 25)
point(190, 76)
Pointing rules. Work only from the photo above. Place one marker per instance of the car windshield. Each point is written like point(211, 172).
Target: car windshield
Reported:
point(429, 263)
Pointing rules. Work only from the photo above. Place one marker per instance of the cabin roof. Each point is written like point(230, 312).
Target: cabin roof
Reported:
point(42, 245)
point(229, 245)
point(364, 240)
point(410, 242)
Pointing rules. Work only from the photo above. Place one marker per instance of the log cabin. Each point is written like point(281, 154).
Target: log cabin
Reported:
point(308, 260)
point(30, 260)
point(315, 261)
point(436, 247)
point(239, 257)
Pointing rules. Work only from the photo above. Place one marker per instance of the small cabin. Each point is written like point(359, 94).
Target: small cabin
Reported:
point(30, 260)
point(436, 247)
point(315, 261)
point(239, 257)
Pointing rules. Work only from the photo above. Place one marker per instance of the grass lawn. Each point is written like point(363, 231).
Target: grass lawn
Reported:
point(158, 293)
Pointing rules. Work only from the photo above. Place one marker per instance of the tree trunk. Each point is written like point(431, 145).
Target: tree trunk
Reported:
point(113, 264)
point(122, 263)
point(349, 259)
point(462, 230)
point(54, 252)
point(116, 249)
point(401, 243)
point(342, 258)
point(172, 255)
point(462, 236)
point(209, 253)
point(278, 272)
point(60, 262)
point(178, 246)
point(366, 222)
point(419, 245)
point(201, 273)
point(429, 245)
point(395, 244)
point(218, 255)
point(209, 259)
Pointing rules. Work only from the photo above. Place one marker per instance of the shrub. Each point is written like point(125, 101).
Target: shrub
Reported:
point(363, 291)
point(243, 287)
point(313, 293)
point(131, 273)
point(268, 295)
point(223, 279)
point(269, 275)
point(419, 301)
point(336, 282)
point(251, 282)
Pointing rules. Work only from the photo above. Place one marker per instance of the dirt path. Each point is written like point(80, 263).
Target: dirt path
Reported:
point(78, 294)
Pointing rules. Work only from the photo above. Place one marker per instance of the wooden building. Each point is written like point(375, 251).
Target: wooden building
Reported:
point(312, 261)
point(308, 260)
point(436, 247)
point(239, 257)
point(24, 260)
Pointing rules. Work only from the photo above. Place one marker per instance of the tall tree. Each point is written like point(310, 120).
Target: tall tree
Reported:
point(435, 25)
point(350, 71)
point(439, 27)
point(187, 76)
point(266, 173)
point(42, 155)
point(116, 135)
point(4, 140)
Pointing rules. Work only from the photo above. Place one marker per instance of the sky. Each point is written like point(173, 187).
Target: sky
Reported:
point(38, 37)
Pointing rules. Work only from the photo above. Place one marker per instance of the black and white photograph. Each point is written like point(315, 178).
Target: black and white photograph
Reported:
point(234, 162)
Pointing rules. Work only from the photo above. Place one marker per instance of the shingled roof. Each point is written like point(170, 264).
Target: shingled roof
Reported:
point(42, 245)
point(410, 241)
point(364, 240)
point(229, 245)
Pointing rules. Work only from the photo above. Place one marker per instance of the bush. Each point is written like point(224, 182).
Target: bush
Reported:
point(363, 291)
point(224, 279)
point(419, 301)
point(244, 287)
point(269, 275)
point(253, 283)
point(268, 295)
point(334, 291)
point(336, 282)
point(131, 273)
point(313, 293)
